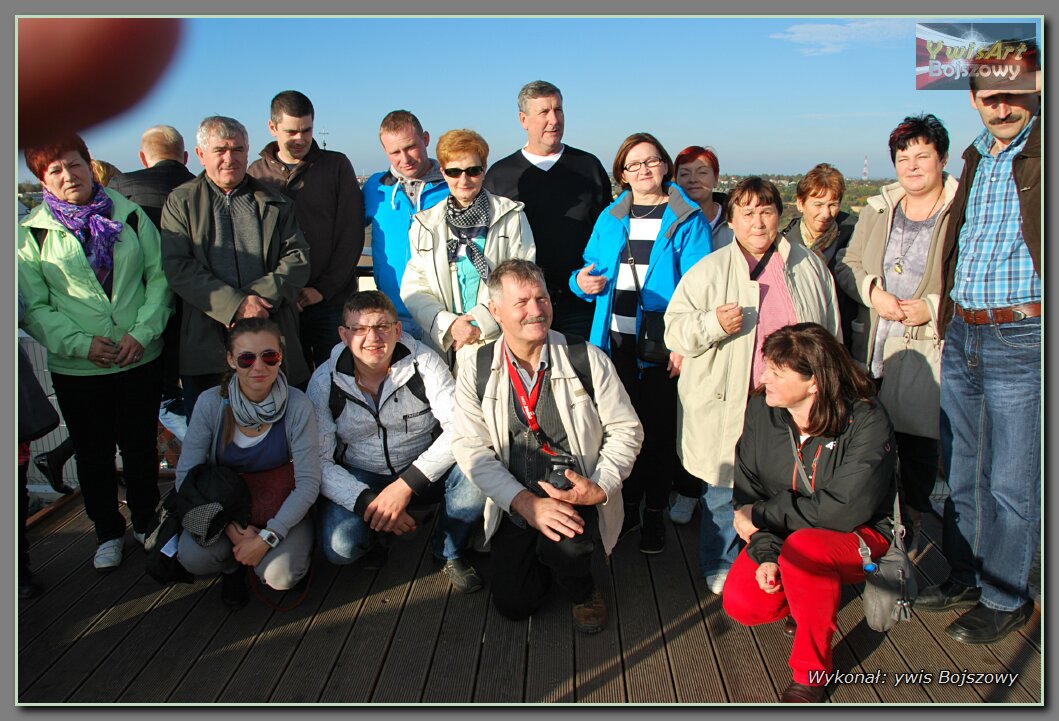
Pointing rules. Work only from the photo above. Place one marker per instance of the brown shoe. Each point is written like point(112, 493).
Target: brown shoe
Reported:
point(801, 693)
point(591, 615)
point(789, 627)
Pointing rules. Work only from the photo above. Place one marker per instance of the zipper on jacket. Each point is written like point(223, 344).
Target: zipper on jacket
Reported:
point(381, 428)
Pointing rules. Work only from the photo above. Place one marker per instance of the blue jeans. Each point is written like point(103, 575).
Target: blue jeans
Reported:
point(345, 537)
point(991, 438)
point(718, 542)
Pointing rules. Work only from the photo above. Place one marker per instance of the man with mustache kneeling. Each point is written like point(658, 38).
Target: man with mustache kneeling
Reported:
point(544, 427)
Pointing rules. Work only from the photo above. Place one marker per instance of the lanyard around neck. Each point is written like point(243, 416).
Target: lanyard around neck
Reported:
point(527, 400)
point(799, 468)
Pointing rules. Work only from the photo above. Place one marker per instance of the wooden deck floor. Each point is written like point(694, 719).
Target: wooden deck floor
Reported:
point(401, 636)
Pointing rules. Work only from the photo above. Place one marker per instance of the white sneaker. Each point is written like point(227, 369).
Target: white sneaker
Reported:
point(108, 554)
point(682, 509)
point(715, 581)
point(141, 538)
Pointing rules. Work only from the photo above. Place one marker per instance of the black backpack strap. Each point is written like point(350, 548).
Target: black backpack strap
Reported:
point(483, 366)
point(416, 386)
point(577, 347)
point(133, 221)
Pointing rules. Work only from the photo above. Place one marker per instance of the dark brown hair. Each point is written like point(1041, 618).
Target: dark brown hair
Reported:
point(810, 350)
point(40, 157)
point(631, 142)
point(753, 187)
point(365, 300)
point(926, 128)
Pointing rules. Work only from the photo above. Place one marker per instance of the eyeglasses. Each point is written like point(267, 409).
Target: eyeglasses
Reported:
point(362, 330)
point(474, 171)
point(269, 357)
point(636, 165)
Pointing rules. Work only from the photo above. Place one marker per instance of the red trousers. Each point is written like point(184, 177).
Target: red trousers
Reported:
point(814, 563)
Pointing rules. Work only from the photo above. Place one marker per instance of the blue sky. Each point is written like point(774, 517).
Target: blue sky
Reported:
point(769, 94)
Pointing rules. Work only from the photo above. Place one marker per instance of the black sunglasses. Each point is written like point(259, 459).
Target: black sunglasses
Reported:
point(474, 171)
point(268, 357)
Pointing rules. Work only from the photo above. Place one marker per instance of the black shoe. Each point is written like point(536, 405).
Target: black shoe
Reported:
point(234, 591)
point(984, 625)
point(653, 531)
point(944, 596)
point(462, 575)
point(28, 585)
point(801, 693)
point(631, 521)
point(53, 474)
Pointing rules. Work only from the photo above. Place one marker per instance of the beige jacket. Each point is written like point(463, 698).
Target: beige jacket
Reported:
point(859, 264)
point(427, 286)
point(714, 380)
point(604, 435)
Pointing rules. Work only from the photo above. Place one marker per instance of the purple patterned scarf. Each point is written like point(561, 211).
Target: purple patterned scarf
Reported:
point(93, 216)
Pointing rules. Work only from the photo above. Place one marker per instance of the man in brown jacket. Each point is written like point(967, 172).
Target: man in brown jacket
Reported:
point(330, 211)
point(991, 368)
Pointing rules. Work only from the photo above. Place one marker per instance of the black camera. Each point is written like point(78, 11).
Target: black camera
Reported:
point(557, 466)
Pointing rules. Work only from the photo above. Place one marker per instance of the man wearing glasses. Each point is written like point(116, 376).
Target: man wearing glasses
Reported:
point(384, 409)
point(564, 189)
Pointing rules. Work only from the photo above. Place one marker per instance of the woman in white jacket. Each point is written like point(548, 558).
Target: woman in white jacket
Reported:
point(454, 246)
point(718, 318)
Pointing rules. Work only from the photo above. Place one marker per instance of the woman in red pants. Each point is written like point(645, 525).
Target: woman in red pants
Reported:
point(814, 469)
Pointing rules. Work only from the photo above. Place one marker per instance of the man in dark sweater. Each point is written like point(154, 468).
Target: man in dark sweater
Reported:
point(330, 211)
point(164, 168)
point(564, 189)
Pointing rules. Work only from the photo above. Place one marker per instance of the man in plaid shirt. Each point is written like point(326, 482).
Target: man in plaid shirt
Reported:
point(991, 368)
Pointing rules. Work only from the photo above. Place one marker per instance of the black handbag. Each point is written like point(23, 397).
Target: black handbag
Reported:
point(651, 334)
point(161, 563)
point(36, 415)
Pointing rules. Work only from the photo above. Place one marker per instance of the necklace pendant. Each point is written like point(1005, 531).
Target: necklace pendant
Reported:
point(897, 268)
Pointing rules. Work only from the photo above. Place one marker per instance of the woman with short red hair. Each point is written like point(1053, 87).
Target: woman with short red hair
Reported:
point(90, 272)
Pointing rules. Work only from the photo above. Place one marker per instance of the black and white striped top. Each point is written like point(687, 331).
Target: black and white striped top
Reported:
point(645, 222)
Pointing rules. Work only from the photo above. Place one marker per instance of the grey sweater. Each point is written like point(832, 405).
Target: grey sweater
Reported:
point(201, 441)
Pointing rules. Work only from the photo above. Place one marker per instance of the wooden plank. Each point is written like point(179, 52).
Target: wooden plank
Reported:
point(647, 674)
point(309, 670)
point(265, 663)
point(695, 671)
point(364, 653)
point(850, 615)
point(181, 649)
point(597, 658)
point(209, 674)
point(502, 664)
point(877, 653)
point(452, 673)
point(404, 675)
point(52, 568)
point(550, 668)
point(111, 677)
point(742, 672)
point(80, 613)
point(78, 578)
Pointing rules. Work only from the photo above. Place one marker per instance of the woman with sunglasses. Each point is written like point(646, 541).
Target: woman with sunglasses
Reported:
point(254, 423)
point(454, 246)
point(641, 246)
point(90, 272)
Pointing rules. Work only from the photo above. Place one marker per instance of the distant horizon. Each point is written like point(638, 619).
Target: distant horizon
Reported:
point(778, 92)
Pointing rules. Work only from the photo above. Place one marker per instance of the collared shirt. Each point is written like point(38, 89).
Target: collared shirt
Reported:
point(994, 268)
point(529, 379)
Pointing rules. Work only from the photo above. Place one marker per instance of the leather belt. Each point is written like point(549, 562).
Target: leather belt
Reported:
point(1009, 314)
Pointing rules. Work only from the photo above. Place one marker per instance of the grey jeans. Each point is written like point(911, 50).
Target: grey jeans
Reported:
point(281, 567)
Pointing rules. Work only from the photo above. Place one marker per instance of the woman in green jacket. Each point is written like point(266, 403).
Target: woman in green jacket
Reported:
point(89, 270)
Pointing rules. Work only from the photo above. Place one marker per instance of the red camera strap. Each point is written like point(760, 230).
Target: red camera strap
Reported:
point(527, 401)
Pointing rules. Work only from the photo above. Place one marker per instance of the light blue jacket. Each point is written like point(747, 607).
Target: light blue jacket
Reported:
point(683, 239)
point(390, 213)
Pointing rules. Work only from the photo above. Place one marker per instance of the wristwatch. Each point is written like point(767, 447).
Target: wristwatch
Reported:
point(269, 536)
